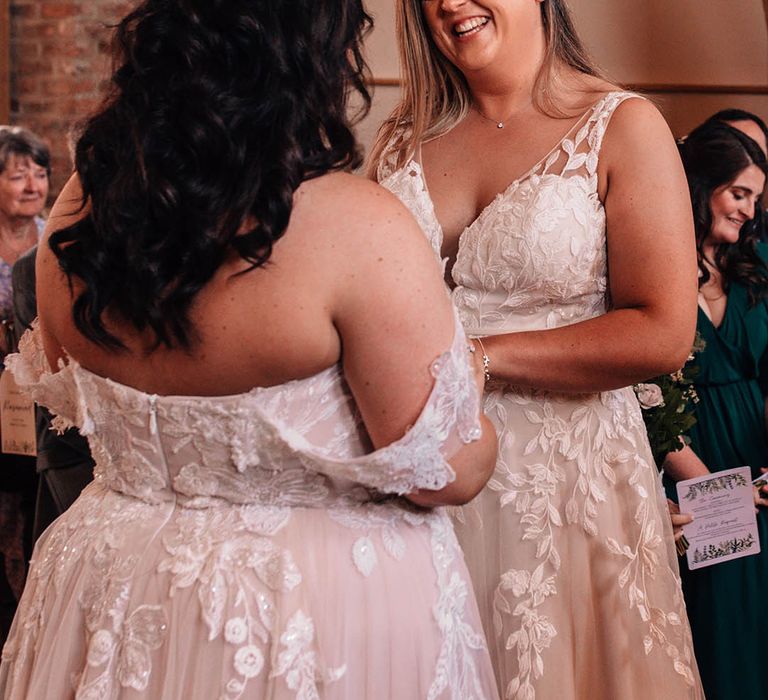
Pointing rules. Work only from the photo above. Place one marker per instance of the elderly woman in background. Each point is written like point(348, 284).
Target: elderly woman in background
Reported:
point(25, 168)
point(24, 179)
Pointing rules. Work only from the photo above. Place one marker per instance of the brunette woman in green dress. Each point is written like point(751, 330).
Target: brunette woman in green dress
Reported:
point(727, 172)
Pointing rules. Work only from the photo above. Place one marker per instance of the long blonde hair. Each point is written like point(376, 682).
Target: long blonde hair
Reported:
point(436, 96)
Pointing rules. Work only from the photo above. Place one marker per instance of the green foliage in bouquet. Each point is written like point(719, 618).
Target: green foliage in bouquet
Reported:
point(668, 404)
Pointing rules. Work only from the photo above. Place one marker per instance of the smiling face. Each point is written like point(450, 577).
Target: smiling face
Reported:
point(475, 35)
point(732, 205)
point(23, 188)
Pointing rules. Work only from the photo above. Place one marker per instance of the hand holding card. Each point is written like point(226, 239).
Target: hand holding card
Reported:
point(724, 525)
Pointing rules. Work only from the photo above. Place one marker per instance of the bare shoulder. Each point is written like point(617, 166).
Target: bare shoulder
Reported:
point(581, 92)
point(366, 250)
point(357, 214)
point(638, 144)
point(636, 123)
point(358, 198)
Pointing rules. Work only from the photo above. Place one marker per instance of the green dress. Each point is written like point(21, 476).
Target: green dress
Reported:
point(726, 602)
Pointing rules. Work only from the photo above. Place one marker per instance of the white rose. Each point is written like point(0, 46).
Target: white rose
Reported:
point(249, 661)
point(235, 631)
point(649, 395)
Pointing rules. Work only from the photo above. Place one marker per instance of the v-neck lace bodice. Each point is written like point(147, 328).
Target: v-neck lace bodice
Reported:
point(535, 257)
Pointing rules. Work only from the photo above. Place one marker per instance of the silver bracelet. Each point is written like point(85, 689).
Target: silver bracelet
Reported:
point(486, 361)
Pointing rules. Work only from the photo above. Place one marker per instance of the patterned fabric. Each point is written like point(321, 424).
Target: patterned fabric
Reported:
point(249, 546)
point(570, 545)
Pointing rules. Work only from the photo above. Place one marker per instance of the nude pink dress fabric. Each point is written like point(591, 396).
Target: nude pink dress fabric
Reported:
point(250, 546)
point(569, 545)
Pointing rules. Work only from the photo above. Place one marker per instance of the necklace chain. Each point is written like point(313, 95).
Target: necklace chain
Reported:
point(499, 124)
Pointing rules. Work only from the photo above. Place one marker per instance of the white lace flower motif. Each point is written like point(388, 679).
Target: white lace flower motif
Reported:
point(516, 581)
point(542, 632)
point(235, 631)
point(100, 648)
point(249, 661)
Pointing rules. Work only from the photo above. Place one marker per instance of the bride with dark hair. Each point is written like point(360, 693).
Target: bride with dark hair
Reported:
point(274, 386)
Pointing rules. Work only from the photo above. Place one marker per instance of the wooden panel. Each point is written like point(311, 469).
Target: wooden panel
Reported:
point(765, 8)
point(652, 87)
point(5, 62)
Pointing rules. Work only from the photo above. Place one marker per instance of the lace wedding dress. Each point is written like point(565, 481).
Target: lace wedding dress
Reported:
point(249, 546)
point(570, 545)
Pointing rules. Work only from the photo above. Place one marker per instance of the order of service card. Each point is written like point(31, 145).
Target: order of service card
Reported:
point(724, 525)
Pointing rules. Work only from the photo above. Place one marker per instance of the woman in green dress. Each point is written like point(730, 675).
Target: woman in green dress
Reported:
point(726, 172)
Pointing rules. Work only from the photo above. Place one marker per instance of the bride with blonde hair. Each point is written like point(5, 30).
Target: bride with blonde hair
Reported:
point(534, 177)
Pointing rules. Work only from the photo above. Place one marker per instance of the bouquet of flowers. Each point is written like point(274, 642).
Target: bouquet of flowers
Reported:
point(667, 403)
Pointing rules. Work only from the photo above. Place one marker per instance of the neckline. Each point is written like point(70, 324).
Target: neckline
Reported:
point(734, 289)
point(709, 318)
point(415, 160)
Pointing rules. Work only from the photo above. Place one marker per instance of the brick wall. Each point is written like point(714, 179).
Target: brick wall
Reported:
point(59, 64)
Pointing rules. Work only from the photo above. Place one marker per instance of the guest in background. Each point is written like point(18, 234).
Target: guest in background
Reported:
point(64, 462)
point(726, 173)
point(25, 168)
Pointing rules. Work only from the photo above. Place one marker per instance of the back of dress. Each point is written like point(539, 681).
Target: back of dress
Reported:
point(249, 546)
point(583, 599)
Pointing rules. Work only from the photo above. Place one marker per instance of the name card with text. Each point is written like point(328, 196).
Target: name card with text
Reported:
point(17, 419)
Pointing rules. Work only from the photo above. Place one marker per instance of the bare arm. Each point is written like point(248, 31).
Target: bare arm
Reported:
point(395, 319)
point(684, 464)
point(652, 274)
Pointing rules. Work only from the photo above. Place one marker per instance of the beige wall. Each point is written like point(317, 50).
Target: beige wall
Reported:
point(705, 42)
point(695, 57)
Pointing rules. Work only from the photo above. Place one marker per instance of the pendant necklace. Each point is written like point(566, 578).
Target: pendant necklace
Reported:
point(499, 124)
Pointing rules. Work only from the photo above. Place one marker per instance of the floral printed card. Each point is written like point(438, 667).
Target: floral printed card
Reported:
point(724, 525)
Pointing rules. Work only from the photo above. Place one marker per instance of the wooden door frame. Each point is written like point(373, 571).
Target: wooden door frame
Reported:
point(765, 8)
point(5, 61)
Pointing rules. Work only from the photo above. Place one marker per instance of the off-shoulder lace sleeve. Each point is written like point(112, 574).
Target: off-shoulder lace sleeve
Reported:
point(54, 390)
point(419, 460)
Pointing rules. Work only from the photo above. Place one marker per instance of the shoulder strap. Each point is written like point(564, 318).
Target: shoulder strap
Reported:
point(389, 163)
point(601, 116)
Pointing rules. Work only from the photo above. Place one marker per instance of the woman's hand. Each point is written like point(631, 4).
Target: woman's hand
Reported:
point(678, 519)
point(761, 491)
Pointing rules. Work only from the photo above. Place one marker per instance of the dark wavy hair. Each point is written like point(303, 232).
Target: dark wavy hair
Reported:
point(218, 111)
point(714, 154)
